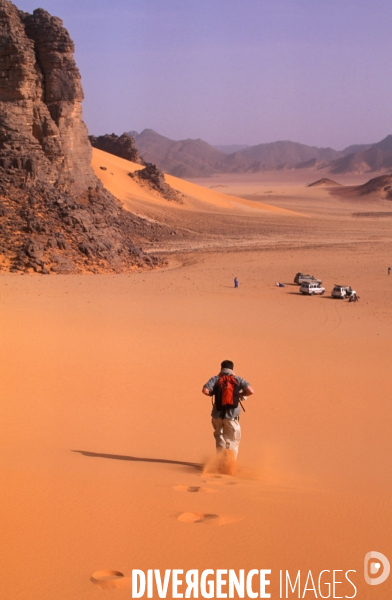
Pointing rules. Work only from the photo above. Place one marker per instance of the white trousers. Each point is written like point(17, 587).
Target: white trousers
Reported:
point(227, 434)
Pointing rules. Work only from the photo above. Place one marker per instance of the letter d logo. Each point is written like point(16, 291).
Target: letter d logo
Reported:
point(373, 562)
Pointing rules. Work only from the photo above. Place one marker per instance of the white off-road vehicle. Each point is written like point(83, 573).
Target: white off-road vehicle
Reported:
point(342, 291)
point(311, 288)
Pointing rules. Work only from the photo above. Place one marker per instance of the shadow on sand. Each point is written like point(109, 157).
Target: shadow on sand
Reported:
point(323, 296)
point(197, 466)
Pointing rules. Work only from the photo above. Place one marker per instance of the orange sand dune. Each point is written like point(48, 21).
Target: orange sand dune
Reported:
point(115, 178)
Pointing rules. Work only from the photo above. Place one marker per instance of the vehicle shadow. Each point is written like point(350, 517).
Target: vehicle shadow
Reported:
point(320, 295)
point(197, 466)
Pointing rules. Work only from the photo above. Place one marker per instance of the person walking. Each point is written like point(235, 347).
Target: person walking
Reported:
point(389, 270)
point(235, 282)
point(228, 389)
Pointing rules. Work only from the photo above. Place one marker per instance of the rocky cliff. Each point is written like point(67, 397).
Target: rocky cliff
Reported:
point(54, 214)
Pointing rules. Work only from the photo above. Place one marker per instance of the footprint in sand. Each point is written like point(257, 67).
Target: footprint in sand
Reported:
point(214, 479)
point(207, 518)
point(111, 580)
point(192, 488)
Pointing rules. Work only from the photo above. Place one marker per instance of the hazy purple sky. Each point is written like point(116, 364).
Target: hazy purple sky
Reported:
point(234, 71)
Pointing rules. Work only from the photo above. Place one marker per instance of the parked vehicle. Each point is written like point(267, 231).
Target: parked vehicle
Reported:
point(308, 287)
point(301, 278)
point(342, 291)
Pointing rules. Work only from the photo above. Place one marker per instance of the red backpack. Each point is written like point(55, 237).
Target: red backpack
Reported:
point(226, 392)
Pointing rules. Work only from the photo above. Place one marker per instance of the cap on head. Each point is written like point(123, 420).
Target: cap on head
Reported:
point(227, 364)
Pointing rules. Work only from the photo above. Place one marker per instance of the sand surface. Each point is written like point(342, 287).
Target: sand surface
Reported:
point(105, 432)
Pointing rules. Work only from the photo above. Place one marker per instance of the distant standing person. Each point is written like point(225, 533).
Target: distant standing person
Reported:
point(389, 270)
point(228, 388)
point(235, 282)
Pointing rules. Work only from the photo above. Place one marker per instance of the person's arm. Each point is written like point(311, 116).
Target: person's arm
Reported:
point(208, 388)
point(248, 391)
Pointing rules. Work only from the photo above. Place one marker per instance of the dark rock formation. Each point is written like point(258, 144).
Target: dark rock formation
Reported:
point(123, 146)
point(154, 178)
point(324, 182)
point(54, 213)
point(382, 186)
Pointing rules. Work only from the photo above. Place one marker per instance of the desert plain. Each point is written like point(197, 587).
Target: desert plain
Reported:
point(106, 445)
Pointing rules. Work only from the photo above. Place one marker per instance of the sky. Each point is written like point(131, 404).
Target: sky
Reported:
point(317, 72)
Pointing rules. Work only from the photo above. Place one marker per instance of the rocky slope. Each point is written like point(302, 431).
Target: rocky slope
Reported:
point(47, 231)
point(380, 186)
point(55, 215)
point(377, 157)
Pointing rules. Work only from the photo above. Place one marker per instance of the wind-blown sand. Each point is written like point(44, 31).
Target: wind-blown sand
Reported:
point(105, 431)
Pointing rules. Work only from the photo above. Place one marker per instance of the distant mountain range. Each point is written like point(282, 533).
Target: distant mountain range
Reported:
point(231, 149)
point(195, 158)
point(371, 158)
